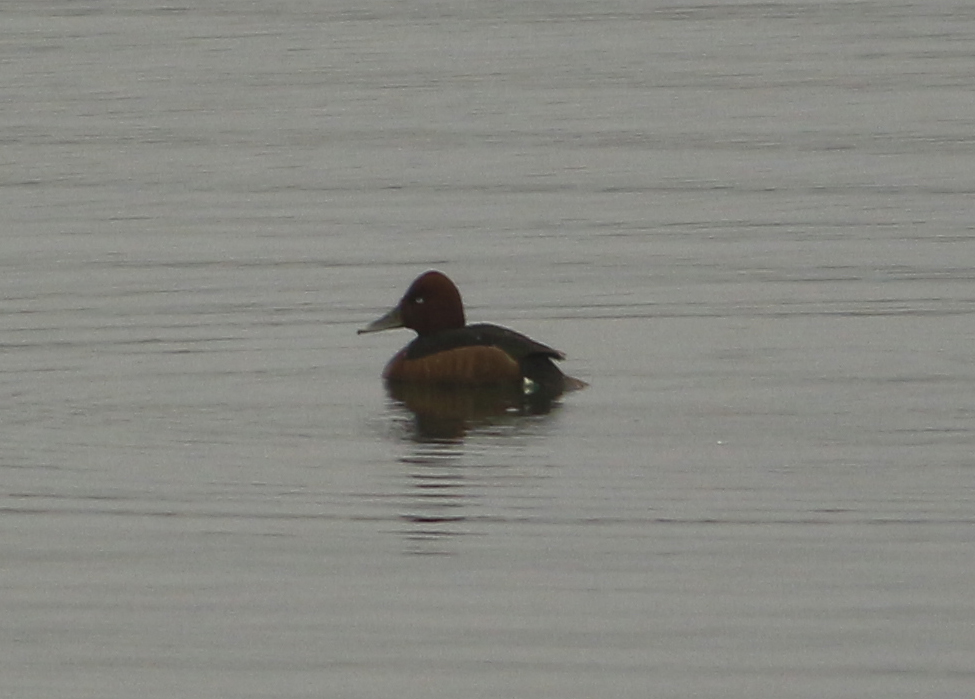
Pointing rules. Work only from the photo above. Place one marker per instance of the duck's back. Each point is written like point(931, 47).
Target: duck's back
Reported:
point(514, 344)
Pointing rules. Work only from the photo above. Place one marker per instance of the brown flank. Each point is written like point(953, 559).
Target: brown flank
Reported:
point(464, 365)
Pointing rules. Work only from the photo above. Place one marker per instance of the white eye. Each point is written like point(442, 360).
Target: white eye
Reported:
point(418, 300)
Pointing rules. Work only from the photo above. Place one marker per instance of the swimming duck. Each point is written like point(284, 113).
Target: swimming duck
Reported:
point(447, 351)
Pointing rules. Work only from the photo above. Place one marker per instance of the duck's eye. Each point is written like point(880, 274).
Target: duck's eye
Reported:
point(418, 300)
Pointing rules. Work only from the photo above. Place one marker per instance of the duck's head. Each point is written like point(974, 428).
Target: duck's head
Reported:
point(431, 304)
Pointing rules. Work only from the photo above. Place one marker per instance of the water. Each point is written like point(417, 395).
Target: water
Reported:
point(748, 225)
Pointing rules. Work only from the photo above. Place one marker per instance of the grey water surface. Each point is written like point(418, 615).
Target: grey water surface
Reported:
point(751, 227)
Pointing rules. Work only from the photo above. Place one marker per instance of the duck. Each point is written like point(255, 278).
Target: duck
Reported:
point(449, 352)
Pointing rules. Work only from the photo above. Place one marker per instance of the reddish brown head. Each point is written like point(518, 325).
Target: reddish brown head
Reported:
point(431, 304)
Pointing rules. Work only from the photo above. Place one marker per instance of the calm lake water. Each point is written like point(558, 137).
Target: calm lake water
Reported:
point(749, 225)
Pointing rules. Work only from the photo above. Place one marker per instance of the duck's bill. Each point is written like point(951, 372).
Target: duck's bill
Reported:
point(391, 320)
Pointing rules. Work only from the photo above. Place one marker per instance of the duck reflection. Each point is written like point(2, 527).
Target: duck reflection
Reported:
point(437, 501)
point(457, 438)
